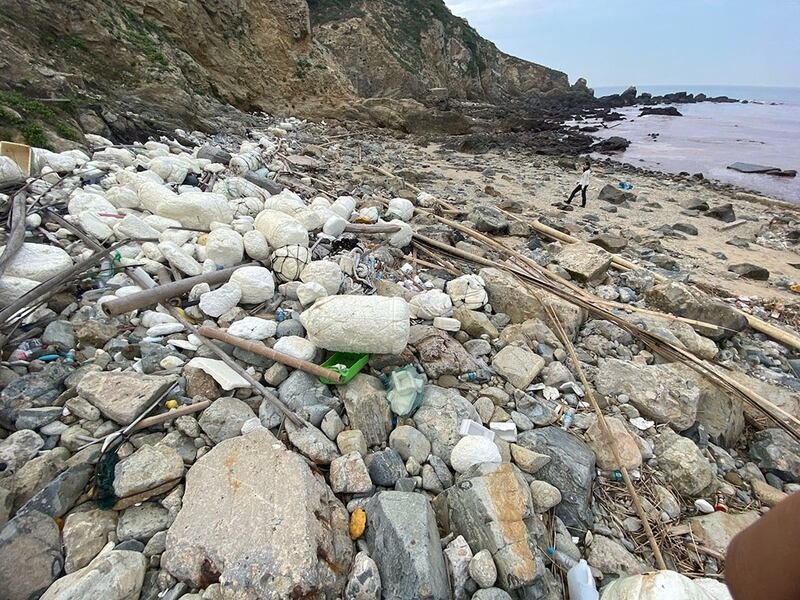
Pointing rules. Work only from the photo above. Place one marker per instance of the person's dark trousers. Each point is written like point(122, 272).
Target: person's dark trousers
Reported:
point(582, 190)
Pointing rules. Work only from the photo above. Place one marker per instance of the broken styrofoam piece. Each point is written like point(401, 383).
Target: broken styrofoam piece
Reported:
point(256, 246)
point(402, 238)
point(470, 427)
point(344, 206)
point(468, 291)
point(370, 324)
point(505, 430)
point(13, 288)
point(310, 292)
point(281, 229)
point(286, 202)
point(180, 259)
point(217, 302)
point(447, 324)
point(253, 328)
point(296, 346)
point(256, 283)
point(197, 209)
point(81, 202)
point(334, 226)
point(227, 378)
point(225, 247)
point(325, 272)
point(38, 262)
point(431, 304)
point(400, 208)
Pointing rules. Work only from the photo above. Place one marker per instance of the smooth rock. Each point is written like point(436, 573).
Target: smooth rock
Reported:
point(349, 475)
point(217, 302)
point(410, 442)
point(115, 575)
point(775, 451)
point(147, 468)
point(256, 284)
point(544, 496)
point(122, 397)
point(85, 534)
point(717, 529)
point(224, 419)
point(612, 558)
point(682, 463)
point(367, 408)
point(625, 443)
point(439, 418)
point(142, 522)
point(364, 581)
point(482, 569)
point(584, 261)
point(30, 556)
point(253, 328)
point(518, 365)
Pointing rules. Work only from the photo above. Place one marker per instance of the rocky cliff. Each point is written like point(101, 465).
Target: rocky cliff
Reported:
point(126, 67)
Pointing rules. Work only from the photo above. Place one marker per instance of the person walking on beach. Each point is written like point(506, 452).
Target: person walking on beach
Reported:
point(583, 184)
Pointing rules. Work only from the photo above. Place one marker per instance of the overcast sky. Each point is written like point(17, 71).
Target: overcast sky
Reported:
point(613, 42)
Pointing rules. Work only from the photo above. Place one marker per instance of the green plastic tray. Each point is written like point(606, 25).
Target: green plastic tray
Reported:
point(353, 364)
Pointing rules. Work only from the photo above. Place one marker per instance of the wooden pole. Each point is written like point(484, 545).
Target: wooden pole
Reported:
point(164, 292)
point(262, 350)
point(16, 236)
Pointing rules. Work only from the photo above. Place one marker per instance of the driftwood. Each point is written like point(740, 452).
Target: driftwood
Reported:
point(164, 292)
point(371, 228)
point(262, 350)
point(16, 235)
point(273, 187)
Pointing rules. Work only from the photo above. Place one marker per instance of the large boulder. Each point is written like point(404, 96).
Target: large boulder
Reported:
point(717, 529)
point(34, 390)
point(114, 575)
point(663, 393)
point(684, 301)
point(122, 397)
point(625, 443)
point(439, 418)
point(614, 195)
point(682, 463)
point(584, 261)
point(518, 365)
point(491, 507)
point(506, 295)
point(30, 556)
point(667, 328)
point(571, 469)
point(775, 451)
point(403, 540)
point(147, 468)
point(257, 519)
point(85, 534)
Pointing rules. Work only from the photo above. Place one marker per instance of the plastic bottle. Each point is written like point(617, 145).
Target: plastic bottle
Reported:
point(26, 350)
point(615, 475)
point(580, 580)
point(569, 417)
point(70, 357)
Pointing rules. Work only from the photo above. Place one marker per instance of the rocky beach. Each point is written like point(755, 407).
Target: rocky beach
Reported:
point(298, 311)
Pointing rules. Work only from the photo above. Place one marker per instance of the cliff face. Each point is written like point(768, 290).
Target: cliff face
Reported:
point(131, 66)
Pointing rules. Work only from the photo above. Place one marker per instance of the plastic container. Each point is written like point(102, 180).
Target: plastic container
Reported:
point(347, 364)
point(505, 430)
point(580, 582)
point(405, 390)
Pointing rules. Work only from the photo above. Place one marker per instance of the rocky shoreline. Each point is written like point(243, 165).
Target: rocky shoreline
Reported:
point(465, 459)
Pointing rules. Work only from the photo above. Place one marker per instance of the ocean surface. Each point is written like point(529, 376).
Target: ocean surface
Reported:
point(711, 136)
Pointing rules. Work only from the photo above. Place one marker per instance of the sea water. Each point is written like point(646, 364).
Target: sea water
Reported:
point(711, 136)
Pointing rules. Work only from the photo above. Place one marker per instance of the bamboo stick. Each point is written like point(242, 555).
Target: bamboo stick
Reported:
point(16, 236)
point(173, 414)
point(372, 228)
point(784, 337)
point(262, 350)
point(164, 292)
point(558, 329)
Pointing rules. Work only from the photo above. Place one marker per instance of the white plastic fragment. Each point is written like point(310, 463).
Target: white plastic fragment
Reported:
point(196, 209)
point(371, 324)
point(505, 430)
point(470, 427)
point(447, 324)
point(402, 238)
point(344, 206)
point(227, 378)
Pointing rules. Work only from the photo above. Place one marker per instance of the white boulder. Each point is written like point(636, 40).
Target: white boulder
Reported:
point(281, 229)
point(400, 208)
point(217, 302)
point(468, 291)
point(225, 247)
point(253, 328)
point(296, 346)
point(197, 209)
point(308, 293)
point(256, 246)
point(325, 272)
point(38, 262)
point(179, 259)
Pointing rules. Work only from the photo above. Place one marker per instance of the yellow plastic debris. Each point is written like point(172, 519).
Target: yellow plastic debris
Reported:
point(358, 523)
point(172, 404)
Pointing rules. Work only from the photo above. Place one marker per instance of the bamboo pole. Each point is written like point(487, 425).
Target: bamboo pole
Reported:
point(164, 292)
point(784, 337)
point(262, 350)
point(16, 235)
point(558, 329)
